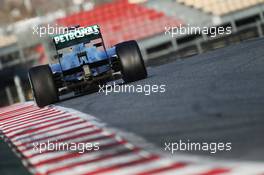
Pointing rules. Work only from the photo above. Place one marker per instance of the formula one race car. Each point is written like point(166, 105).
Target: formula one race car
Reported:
point(84, 63)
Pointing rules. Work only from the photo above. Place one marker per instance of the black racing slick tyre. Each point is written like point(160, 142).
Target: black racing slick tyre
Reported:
point(43, 85)
point(131, 61)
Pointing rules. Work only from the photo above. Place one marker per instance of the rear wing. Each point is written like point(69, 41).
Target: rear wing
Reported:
point(77, 36)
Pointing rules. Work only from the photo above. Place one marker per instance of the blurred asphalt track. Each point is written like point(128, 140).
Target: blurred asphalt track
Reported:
point(9, 163)
point(213, 97)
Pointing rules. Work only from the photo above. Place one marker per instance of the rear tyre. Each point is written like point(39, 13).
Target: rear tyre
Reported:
point(43, 85)
point(131, 61)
